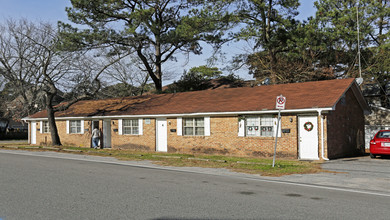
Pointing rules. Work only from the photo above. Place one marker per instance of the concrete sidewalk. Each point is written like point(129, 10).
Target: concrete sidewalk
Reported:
point(361, 174)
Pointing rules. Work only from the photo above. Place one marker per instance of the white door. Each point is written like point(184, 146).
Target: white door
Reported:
point(33, 133)
point(107, 134)
point(308, 137)
point(161, 135)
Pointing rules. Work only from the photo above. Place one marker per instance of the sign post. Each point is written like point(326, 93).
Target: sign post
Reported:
point(280, 104)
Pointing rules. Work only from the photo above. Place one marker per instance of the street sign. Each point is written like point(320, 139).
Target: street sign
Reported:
point(280, 102)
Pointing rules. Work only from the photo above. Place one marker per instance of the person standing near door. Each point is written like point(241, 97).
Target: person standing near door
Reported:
point(95, 138)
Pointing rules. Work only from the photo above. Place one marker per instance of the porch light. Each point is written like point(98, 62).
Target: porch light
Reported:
point(291, 119)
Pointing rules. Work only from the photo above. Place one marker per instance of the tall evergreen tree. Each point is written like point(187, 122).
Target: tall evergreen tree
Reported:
point(336, 23)
point(155, 30)
point(272, 25)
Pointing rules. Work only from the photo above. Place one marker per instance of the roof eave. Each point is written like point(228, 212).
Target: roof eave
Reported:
point(273, 111)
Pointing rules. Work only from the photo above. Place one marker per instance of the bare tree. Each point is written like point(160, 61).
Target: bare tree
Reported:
point(129, 73)
point(15, 56)
point(35, 66)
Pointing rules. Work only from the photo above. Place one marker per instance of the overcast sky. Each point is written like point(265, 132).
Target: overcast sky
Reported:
point(54, 10)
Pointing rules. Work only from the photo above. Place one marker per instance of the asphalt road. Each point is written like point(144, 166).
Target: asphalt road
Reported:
point(37, 187)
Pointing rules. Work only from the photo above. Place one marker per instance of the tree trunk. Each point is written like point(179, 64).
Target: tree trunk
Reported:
point(273, 74)
point(158, 73)
point(55, 138)
point(158, 85)
point(156, 76)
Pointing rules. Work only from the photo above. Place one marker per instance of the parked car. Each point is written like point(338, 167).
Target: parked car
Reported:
point(380, 144)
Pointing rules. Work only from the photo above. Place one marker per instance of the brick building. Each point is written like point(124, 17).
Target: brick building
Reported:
point(323, 119)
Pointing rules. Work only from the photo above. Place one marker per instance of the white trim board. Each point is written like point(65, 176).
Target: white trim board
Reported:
point(274, 111)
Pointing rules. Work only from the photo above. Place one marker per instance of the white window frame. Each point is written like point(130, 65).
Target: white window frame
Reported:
point(130, 126)
point(69, 127)
point(243, 127)
point(180, 126)
point(121, 126)
point(44, 126)
point(194, 126)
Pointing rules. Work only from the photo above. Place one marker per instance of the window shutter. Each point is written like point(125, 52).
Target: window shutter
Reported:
point(276, 126)
point(82, 126)
point(67, 126)
point(241, 128)
point(179, 126)
point(120, 126)
point(207, 126)
point(41, 127)
point(140, 126)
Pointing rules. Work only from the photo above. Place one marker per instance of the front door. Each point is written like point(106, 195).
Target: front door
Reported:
point(161, 135)
point(106, 133)
point(33, 133)
point(308, 138)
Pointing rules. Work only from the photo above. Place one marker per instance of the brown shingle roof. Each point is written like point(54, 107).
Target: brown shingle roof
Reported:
point(319, 94)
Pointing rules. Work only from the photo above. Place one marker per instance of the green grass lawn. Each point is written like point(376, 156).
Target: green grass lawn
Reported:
point(262, 166)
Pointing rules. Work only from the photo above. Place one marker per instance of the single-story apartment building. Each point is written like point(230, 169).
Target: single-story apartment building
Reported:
point(321, 120)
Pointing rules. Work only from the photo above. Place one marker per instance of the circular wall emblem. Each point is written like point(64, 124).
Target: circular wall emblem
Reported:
point(308, 126)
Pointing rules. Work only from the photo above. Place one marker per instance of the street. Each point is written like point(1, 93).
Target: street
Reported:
point(37, 187)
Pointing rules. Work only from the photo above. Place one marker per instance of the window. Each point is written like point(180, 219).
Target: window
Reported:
point(262, 126)
point(45, 127)
point(130, 126)
point(194, 126)
point(267, 126)
point(75, 126)
point(384, 134)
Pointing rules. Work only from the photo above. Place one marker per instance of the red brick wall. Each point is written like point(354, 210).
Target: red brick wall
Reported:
point(224, 140)
point(345, 128)
point(81, 140)
point(145, 142)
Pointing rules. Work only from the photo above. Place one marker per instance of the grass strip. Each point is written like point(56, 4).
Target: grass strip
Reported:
point(262, 166)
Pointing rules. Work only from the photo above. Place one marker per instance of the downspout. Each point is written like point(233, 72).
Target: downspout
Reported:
point(322, 136)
